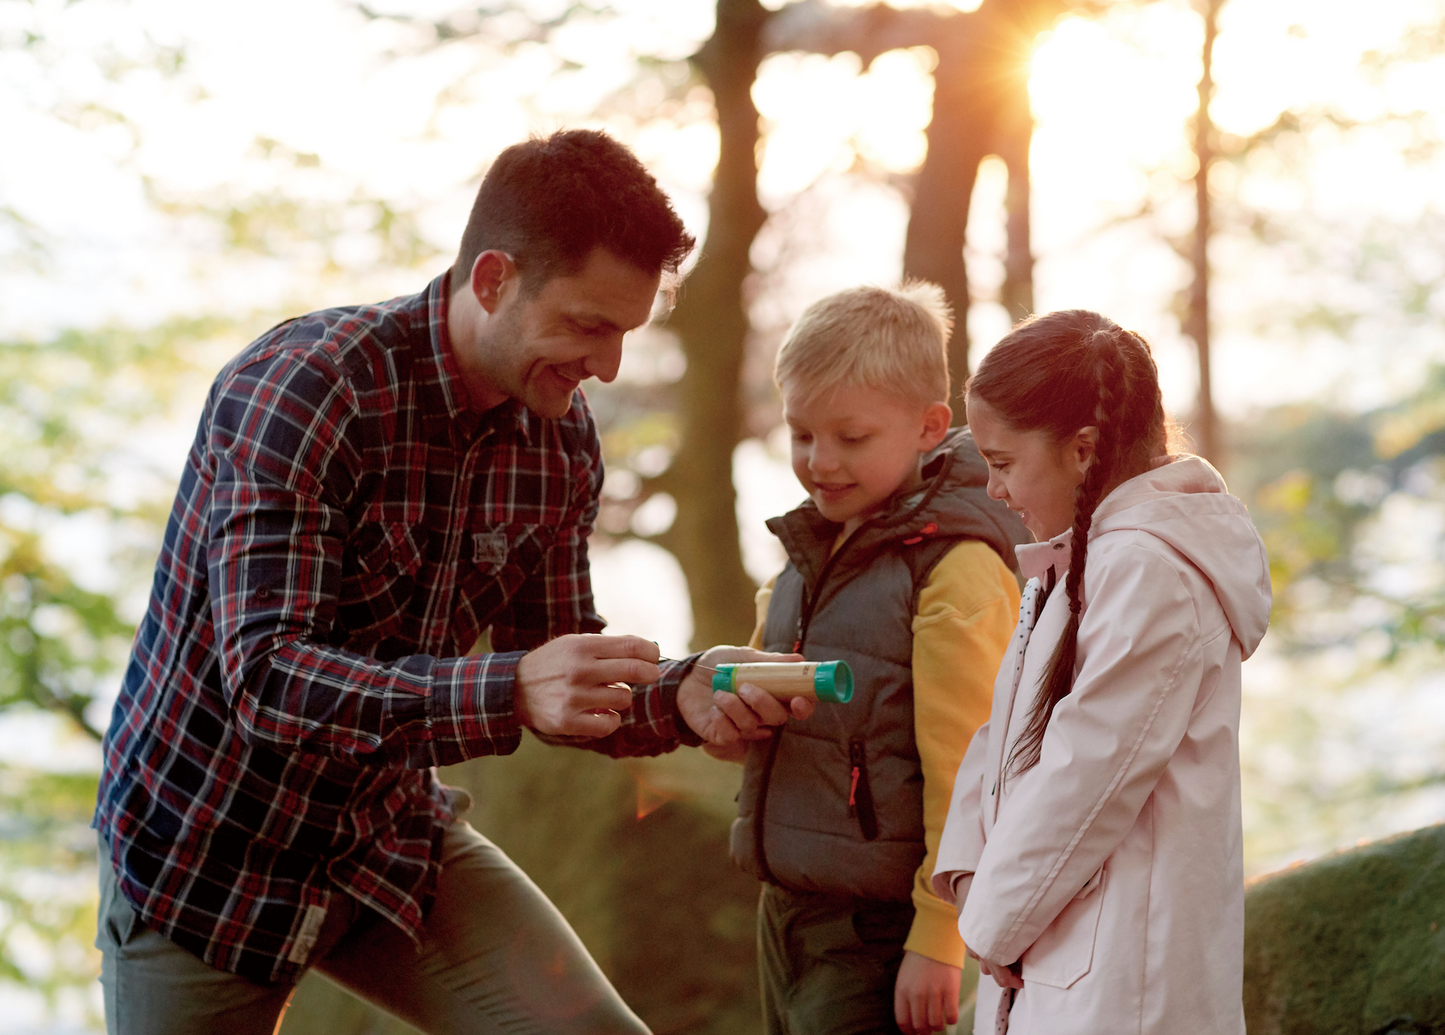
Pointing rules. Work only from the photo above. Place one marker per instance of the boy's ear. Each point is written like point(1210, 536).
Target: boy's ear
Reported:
point(936, 421)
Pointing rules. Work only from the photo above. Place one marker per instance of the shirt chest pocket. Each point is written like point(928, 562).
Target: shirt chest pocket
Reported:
point(381, 567)
point(493, 551)
point(390, 548)
point(495, 562)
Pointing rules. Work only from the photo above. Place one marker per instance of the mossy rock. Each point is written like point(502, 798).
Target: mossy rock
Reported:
point(1353, 944)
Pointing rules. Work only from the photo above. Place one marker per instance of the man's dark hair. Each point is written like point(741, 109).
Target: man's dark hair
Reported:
point(548, 202)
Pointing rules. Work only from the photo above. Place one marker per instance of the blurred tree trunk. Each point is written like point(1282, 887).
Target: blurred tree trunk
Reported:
point(1206, 427)
point(980, 108)
point(712, 320)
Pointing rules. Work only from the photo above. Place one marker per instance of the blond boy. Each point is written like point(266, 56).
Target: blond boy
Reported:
point(899, 564)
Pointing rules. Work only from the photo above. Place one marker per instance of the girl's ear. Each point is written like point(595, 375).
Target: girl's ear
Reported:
point(1081, 449)
point(936, 420)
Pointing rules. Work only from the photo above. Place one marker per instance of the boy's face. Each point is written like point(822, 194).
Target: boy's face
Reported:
point(854, 446)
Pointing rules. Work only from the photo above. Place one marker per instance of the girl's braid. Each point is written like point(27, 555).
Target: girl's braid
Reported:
point(1110, 373)
point(1111, 367)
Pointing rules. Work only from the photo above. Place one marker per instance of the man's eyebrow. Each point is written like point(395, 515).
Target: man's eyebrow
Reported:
point(595, 319)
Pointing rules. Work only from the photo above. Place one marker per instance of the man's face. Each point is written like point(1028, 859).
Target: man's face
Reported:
point(537, 347)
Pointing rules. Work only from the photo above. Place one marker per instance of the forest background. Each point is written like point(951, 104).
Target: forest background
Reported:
point(176, 177)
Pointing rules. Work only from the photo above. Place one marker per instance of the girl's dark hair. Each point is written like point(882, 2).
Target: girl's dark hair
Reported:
point(1058, 373)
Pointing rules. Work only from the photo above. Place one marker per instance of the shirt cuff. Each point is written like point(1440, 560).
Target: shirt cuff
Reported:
point(472, 711)
point(673, 673)
point(935, 930)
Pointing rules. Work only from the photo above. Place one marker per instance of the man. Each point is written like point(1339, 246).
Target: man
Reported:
point(372, 490)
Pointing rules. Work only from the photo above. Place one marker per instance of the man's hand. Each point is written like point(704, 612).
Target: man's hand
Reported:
point(925, 997)
point(726, 720)
point(575, 685)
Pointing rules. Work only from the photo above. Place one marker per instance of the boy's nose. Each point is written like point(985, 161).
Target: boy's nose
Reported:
point(821, 460)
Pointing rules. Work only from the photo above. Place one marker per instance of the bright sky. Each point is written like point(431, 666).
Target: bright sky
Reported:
point(384, 119)
point(356, 110)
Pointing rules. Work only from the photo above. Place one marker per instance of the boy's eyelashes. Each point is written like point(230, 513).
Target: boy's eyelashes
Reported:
point(804, 437)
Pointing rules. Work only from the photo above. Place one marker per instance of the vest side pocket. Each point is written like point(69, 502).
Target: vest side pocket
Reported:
point(860, 796)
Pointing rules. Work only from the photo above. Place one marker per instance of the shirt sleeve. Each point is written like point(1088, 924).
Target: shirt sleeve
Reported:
point(284, 453)
point(761, 600)
point(1107, 744)
point(965, 620)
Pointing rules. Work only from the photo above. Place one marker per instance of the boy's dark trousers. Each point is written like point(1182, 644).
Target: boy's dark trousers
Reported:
point(828, 963)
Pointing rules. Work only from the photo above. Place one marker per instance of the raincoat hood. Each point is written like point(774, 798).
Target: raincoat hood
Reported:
point(1184, 501)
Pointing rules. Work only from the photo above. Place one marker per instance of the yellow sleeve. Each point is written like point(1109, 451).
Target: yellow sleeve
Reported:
point(761, 600)
point(966, 615)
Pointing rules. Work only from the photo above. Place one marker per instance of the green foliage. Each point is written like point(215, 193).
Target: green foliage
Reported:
point(1350, 945)
point(1317, 481)
point(80, 508)
point(47, 885)
point(70, 412)
point(1351, 507)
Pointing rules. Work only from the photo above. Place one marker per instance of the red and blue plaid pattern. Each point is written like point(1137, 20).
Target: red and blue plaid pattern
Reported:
point(344, 532)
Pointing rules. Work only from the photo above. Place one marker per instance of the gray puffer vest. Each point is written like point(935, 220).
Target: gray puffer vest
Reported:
point(835, 804)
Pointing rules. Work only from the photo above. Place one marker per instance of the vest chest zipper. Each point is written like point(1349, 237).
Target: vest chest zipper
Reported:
point(860, 795)
point(866, 817)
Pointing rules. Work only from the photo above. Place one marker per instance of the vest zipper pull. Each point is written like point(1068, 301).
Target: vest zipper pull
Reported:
point(860, 796)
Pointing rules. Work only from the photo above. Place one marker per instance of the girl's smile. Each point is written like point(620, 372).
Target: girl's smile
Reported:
point(1029, 471)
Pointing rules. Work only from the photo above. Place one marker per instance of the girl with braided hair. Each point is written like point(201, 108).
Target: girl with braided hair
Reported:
point(1093, 845)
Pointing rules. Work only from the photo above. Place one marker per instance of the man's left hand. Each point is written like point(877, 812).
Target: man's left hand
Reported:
point(726, 719)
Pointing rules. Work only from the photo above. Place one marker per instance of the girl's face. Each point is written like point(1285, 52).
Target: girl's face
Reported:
point(1031, 471)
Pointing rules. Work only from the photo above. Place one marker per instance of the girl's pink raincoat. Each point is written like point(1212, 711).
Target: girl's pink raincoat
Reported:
point(1113, 869)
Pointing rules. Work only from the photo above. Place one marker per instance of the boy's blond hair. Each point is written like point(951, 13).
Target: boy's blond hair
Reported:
point(894, 340)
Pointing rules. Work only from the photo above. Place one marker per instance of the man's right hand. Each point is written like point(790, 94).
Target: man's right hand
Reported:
point(576, 685)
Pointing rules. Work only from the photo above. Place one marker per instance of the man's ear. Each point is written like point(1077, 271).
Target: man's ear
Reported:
point(936, 421)
point(492, 273)
point(1083, 448)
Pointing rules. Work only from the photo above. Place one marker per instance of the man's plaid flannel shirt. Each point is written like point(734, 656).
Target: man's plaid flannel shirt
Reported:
point(344, 532)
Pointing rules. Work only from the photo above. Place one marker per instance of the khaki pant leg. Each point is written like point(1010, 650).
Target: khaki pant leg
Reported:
point(828, 964)
point(496, 956)
point(152, 986)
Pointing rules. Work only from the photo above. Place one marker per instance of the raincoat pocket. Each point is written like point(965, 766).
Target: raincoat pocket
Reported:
point(1065, 951)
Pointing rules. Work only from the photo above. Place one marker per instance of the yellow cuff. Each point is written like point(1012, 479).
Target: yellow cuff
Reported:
point(935, 930)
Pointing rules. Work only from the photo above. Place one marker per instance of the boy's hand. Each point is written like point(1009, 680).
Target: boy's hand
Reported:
point(575, 685)
point(726, 719)
point(736, 752)
point(925, 997)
